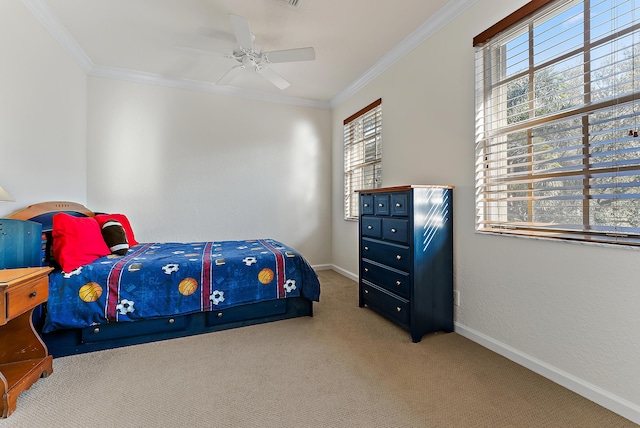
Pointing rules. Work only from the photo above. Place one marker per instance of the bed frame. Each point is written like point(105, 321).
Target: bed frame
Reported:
point(114, 335)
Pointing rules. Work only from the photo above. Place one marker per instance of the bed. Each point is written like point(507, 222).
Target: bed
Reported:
point(154, 291)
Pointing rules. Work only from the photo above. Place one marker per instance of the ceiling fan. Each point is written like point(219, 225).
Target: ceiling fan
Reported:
point(251, 56)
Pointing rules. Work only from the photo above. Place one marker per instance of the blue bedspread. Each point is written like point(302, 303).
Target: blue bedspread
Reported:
point(167, 279)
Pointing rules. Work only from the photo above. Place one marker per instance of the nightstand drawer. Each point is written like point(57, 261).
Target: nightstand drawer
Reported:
point(393, 307)
point(21, 299)
point(395, 256)
point(393, 280)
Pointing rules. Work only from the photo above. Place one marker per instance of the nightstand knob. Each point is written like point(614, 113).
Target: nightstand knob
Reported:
point(366, 205)
point(398, 205)
point(366, 248)
point(398, 257)
point(381, 205)
point(366, 269)
point(399, 309)
point(96, 330)
point(398, 283)
point(393, 230)
point(219, 314)
point(369, 227)
point(366, 291)
point(33, 294)
point(171, 320)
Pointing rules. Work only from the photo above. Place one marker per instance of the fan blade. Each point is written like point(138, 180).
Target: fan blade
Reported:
point(273, 77)
point(230, 75)
point(242, 32)
point(290, 55)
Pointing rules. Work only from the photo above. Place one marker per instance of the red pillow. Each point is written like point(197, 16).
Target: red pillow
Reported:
point(123, 220)
point(77, 241)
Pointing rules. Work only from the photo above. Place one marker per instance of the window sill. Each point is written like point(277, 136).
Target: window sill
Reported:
point(629, 243)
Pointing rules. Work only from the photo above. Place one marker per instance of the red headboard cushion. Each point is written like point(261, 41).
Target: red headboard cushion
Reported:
point(77, 241)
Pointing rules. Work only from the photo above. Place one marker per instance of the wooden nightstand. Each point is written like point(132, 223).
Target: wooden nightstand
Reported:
point(23, 355)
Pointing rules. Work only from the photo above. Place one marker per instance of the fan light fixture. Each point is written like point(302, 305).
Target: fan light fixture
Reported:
point(250, 56)
point(5, 196)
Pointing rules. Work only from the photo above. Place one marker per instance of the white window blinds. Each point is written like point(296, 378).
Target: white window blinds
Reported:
point(557, 123)
point(362, 155)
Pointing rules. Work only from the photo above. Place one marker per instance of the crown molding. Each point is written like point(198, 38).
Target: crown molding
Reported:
point(46, 17)
point(441, 18)
point(195, 85)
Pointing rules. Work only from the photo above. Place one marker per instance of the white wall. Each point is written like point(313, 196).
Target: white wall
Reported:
point(186, 165)
point(42, 114)
point(568, 311)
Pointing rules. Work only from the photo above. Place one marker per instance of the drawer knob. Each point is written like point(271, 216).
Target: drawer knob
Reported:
point(369, 227)
point(96, 330)
point(366, 248)
point(366, 205)
point(394, 230)
point(366, 269)
point(381, 205)
point(171, 320)
point(398, 205)
point(398, 257)
point(399, 309)
point(366, 291)
point(219, 314)
point(33, 294)
point(398, 283)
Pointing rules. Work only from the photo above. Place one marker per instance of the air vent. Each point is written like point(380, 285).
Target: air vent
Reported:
point(291, 3)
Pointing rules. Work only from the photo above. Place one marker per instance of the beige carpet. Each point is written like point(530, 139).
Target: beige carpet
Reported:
point(345, 367)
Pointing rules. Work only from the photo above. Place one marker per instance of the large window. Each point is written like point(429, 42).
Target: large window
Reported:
point(362, 155)
point(557, 122)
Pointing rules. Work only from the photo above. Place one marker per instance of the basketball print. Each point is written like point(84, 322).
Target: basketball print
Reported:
point(90, 292)
point(265, 276)
point(188, 286)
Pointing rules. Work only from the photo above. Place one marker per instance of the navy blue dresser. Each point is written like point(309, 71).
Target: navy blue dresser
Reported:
point(406, 256)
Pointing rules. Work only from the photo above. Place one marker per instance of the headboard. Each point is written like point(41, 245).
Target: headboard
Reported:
point(43, 213)
point(46, 210)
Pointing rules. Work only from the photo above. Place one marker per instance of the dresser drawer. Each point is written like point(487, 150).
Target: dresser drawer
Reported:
point(381, 204)
point(400, 204)
point(366, 204)
point(31, 294)
point(393, 280)
point(396, 256)
point(372, 226)
point(395, 229)
point(393, 307)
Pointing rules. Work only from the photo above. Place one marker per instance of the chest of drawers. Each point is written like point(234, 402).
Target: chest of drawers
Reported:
point(406, 256)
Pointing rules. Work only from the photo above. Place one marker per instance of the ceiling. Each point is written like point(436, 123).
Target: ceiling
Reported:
point(186, 43)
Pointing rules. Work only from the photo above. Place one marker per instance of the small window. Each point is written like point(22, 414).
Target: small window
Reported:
point(362, 155)
point(557, 122)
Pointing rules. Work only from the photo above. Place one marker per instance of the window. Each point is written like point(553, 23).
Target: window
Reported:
point(557, 122)
point(362, 155)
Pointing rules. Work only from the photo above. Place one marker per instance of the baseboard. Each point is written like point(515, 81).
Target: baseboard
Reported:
point(345, 272)
point(322, 267)
point(592, 392)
